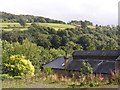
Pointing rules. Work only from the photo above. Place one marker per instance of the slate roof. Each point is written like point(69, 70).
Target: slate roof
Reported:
point(97, 53)
point(103, 67)
point(57, 63)
point(100, 65)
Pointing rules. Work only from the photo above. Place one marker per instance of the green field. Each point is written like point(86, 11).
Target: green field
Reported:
point(11, 26)
point(57, 26)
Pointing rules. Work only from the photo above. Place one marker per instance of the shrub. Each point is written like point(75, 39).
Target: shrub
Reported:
point(86, 68)
point(118, 80)
point(93, 84)
point(6, 76)
point(18, 66)
point(17, 77)
point(48, 71)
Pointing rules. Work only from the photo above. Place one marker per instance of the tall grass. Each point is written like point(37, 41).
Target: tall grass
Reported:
point(91, 80)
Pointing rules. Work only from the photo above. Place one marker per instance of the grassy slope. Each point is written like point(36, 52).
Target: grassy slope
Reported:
point(10, 26)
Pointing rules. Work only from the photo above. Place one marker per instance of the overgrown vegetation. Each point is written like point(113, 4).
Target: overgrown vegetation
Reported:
point(86, 68)
point(36, 54)
point(17, 65)
point(40, 44)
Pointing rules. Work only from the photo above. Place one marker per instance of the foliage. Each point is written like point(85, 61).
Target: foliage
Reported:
point(45, 39)
point(28, 49)
point(17, 77)
point(22, 22)
point(56, 52)
point(36, 54)
point(18, 66)
point(86, 68)
point(99, 38)
point(6, 76)
point(48, 71)
point(87, 38)
point(115, 78)
point(7, 17)
point(70, 47)
point(75, 22)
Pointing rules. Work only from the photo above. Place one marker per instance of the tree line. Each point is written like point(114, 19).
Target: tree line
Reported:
point(99, 38)
point(12, 18)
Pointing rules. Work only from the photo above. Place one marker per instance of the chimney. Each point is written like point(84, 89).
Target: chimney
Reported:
point(65, 62)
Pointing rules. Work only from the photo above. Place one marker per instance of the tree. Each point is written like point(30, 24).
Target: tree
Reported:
point(42, 40)
point(17, 65)
point(84, 41)
point(83, 25)
point(70, 47)
point(55, 41)
point(30, 50)
point(36, 54)
point(57, 52)
point(111, 44)
point(22, 22)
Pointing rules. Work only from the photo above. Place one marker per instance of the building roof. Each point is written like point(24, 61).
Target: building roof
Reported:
point(99, 66)
point(103, 67)
point(98, 54)
point(57, 63)
point(104, 61)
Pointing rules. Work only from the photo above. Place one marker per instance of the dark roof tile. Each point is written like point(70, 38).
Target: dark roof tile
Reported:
point(57, 63)
point(97, 53)
point(99, 66)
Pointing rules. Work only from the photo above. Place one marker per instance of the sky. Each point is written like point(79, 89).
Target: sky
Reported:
point(103, 12)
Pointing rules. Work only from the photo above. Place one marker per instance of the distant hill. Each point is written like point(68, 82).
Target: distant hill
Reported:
point(12, 21)
point(12, 18)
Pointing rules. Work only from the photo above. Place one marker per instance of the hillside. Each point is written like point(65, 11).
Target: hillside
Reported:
point(12, 18)
point(12, 22)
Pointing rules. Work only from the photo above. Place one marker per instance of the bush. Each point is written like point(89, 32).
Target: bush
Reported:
point(93, 84)
point(82, 83)
point(118, 80)
point(48, 71)
point(6, 76)
point(18, 66)
point(86, 68)
point(17, 77)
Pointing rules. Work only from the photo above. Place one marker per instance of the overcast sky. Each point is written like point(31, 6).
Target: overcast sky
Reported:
point(98, 11)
